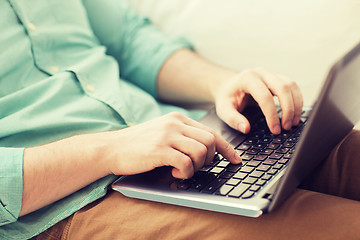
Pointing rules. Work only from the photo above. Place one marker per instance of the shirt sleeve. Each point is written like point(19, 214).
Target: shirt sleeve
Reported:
point(11, 184)
point(139, 47)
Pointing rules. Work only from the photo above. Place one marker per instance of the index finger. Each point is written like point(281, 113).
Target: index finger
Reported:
point(262, 95)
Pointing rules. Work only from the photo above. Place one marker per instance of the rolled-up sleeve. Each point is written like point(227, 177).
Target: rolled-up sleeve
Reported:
point(11, 184)
point(139, 47)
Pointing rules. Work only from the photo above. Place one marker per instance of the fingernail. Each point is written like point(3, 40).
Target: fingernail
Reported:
point(238, 158)
point(296, 120)
point(277, 129)
point(288, 125)
point(241, 127)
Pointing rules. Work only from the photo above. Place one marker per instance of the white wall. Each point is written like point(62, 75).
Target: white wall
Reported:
point(300, 39)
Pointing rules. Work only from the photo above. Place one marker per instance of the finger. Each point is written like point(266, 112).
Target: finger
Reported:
point(298, 103)
point(287, 105)
point(282, 88)
point(204, 137)
point(229, 113)
point(262, 95)
point(222, 146)
point(182, 163)
point(192, 148)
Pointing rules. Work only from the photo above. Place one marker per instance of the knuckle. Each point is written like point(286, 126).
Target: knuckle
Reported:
point(249, 73)
point(176, 115)
point(212, 137)
point(289, 85)
point(186, 162)
point(285, 87)
point(201, 151)
point(169, 125)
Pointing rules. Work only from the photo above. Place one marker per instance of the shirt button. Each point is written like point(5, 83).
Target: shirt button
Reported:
point(31, 26)
point(54, 69)
point(90, 88)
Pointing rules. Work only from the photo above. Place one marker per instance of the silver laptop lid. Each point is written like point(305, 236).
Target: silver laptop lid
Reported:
point(334, 114)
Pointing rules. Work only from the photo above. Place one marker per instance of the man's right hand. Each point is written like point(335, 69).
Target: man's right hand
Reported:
point(171, 140)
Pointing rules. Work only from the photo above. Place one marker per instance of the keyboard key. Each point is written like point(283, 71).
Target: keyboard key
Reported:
point(276, 156)
point(260, 182)
point(288, 144)
point(247, 194)
point(250, 141)
point(260, 145)
point(233, 181)
point(253, 163)
point(182, 186)
point(239, 190)
point(240, 152)
point(223, 164)
point(278, 166)
point(288, 155)
point(283, 160)
point(270, 161)
point(266, 140)
point(253, 151)
point(224, 190)
point(240, 175)
point(226, 175)
point(249, 180)
point(278, 140)
point(260, 157)
point(197, 187)
point(247, 156)
point(272, 171)
point(267, 151)
point(285, 135)
point(217, 170)
point(266, 177)
point(233, 167)
point(247, 169)
point(214, 185)
point(293, 139)
point(243, 147)
point(205, 168)
point(273, 145)
point(215, 160)
point(263, 168)
point(256, 174)
point(254, 188)
point(257, 135)
point(282, 150)
point(202, 177)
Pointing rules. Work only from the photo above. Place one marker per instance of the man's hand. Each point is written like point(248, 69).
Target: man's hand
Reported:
point(186, 77)
point(260, 85)
point(172, 140)
point(55, 170)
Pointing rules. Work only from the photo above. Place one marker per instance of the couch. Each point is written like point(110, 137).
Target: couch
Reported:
point(300, 39)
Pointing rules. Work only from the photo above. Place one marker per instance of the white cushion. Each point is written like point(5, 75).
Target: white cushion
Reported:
point(300, 39)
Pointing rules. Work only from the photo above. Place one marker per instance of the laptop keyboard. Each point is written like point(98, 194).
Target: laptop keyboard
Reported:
point(263, 154)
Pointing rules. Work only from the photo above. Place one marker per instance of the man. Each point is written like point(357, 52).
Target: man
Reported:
point(74, 114)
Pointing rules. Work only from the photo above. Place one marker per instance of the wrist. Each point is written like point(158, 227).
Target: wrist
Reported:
point(221, 76)
point(93, 150)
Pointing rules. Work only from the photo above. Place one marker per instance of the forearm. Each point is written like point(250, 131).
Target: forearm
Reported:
point(55, 170)
point(185, 77)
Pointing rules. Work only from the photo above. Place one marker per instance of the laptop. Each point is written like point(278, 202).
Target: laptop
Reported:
point(273, 165)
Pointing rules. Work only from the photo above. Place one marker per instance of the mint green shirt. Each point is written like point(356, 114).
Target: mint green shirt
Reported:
point(71, 67)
